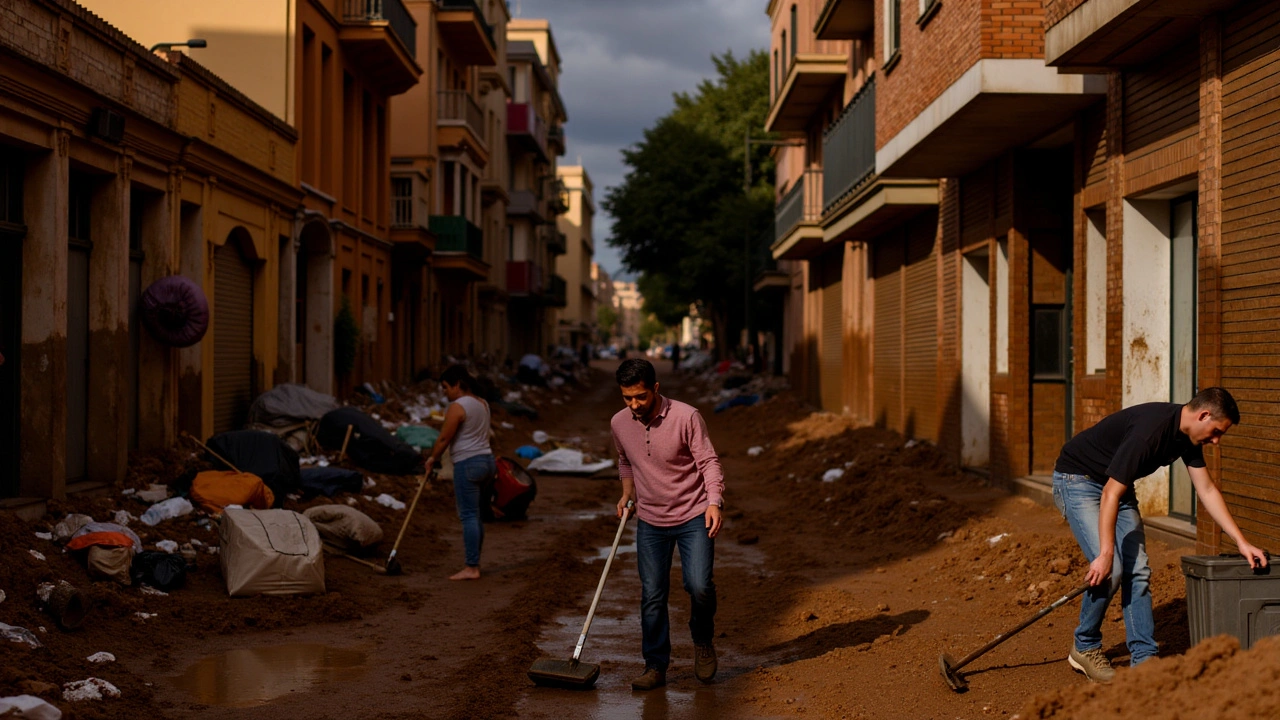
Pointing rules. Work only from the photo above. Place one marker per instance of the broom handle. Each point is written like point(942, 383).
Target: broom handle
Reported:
point(1021, 626)
point(409, 514)
point(582, 639)
point(210, 451)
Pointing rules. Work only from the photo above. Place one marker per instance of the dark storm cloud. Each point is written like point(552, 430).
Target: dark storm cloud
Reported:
point(621, 63)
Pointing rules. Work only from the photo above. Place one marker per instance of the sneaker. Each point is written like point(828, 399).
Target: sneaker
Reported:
point(704, 662)
point(1093, 663)
point(650, 679)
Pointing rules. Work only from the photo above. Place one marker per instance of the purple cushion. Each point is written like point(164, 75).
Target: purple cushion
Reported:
point(175, 310)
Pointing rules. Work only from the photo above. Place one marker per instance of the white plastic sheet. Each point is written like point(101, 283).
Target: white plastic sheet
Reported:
point(567, 461)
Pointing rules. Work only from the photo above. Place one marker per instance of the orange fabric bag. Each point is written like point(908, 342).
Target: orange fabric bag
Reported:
point(213, 490)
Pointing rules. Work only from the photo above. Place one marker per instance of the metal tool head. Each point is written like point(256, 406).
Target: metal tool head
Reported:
point(393, 567)
point(568, 674)
point(952, 677)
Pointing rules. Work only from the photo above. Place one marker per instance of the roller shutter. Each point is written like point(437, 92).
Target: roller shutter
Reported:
point(920, 331)
point(1250, 265)
point(887, 372)
point(233, 337)
point(832, 360)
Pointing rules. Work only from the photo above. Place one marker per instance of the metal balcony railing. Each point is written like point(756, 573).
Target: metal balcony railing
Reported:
point(456, 234)
point(393, 12)
point(408, 208)
point(524, 277)
point(849, 147)
point(556, 291)
point(802, 203)
point(472, 6)
point(457, 106)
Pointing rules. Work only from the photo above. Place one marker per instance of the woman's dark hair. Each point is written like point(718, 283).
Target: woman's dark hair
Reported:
point(636, 371)
point(458, 375)
point(1218, 402)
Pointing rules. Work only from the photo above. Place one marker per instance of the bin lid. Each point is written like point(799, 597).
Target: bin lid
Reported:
point(1222, 567)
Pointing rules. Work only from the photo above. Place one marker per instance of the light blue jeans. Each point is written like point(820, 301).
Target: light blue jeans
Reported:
point(470, 478)
point(1079, 499)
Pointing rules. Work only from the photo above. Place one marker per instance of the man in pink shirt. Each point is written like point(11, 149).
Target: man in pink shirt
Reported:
point(668, 466)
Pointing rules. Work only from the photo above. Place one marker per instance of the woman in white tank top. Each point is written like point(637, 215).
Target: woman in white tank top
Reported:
point(466, 436)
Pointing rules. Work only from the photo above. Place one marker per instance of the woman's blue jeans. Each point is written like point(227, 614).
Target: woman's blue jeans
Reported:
point(1078, 499)
point(470, 477)
point(654, 546)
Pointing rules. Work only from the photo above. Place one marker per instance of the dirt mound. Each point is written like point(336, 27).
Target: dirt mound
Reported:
point(1214, 679)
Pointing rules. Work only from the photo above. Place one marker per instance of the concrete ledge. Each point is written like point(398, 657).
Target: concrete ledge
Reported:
point(1036, 487)
point(1173, 532)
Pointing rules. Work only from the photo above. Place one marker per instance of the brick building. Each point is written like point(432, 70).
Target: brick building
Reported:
point(1025, 229)
point(121, 167)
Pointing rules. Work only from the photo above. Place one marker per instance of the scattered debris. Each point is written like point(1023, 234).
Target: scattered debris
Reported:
point(171, 508)
point(386, 500)
point(89, 689)
point(13, 633)
point(755, 450)
point(833, 475)
point(144, 615)
point(37, 555)
point(28, 706)
point(101, 657)
point(995, 539)
point(168, 546)
point(44, 535)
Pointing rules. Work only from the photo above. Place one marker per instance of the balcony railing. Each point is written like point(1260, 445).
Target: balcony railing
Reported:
point(457, 106)
point(472, 6)
point(393, 12)
point(556, 291)
point(802, 203)
point(455, 234)
point(408, 208)
point(524, 277)
point(526, 126)
point(558, 242)
point(555, 136)
point(849, 147)
point(558, 201)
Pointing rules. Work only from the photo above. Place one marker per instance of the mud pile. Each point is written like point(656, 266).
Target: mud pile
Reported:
point(1213, 679)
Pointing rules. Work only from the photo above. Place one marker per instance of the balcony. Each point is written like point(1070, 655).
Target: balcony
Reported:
point(557, 243)
point(556, 291)
point(1101, 35)
point(381, 37)
point(524, 203)
point(411, 217)
point(997, 104)
point(797, 217)
point(558, 203)
point(524, 278)
point(460, 123)
point(466, 33)
point(810, 81)
point(766, 277)
point(849, 147)
point(555, 140)
point(459, 247)
point(526, 129)
point(845, 20)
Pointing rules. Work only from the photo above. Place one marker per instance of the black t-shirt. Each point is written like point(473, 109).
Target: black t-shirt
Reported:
point(1130, 445)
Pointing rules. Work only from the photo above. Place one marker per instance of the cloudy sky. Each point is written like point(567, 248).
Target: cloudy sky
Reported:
point(623, 60)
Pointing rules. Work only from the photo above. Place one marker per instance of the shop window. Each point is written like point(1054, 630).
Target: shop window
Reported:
point(1048, 342)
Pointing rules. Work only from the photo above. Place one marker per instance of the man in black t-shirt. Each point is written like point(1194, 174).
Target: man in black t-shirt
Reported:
point(1093, 488)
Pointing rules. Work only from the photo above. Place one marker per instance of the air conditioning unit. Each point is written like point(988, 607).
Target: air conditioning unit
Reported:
point(107, 124)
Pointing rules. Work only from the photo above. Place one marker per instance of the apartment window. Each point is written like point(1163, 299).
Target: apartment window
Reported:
point(892, 33)
point(307, 123)
point(784, 47)
point(350, 157)
point(326, 117)
point(1095, 290)
point(1002, 305)
point(777, 80)
point(370, 179)
point(927, 8)
point(795, 36)
point(1049, 342)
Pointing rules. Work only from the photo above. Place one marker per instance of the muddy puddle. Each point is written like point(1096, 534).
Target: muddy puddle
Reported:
point(246, 677)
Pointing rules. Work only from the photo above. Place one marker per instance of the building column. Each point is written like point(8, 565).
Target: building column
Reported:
point(109, 327)
point(157, 379)
point(191, 259)
point(43, 359)
point(1209, 243)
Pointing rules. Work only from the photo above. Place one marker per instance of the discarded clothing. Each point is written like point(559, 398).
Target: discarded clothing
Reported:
point(289, 404)
point(159, 570)
point(213, 490)
point(262, 454)
point(420, 437)
point(329, 481)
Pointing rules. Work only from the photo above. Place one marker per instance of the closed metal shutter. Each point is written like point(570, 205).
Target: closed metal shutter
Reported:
point(832, 362)
point(1250, 256)
point(887, 374)
point(233, 337)
point(920, 331)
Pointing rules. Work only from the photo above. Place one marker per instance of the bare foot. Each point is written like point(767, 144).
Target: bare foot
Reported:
point(466, 573)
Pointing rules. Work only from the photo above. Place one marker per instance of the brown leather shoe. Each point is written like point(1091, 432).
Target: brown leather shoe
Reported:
point(651, 678)
point(704, 662)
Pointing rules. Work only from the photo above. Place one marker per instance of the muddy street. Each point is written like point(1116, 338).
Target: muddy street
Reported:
point(835, 598)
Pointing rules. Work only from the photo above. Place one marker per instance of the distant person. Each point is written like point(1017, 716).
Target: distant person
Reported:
point(584, 354)
point(668, 466)
point(532, 370)
point(466, 436)
point(1093, 488)
point(675, 357)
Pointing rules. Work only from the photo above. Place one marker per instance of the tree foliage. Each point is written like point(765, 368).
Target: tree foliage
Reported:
point(681, 218)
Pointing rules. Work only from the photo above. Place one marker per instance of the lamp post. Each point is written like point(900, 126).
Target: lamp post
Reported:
point(747, 142)
point(192, 43)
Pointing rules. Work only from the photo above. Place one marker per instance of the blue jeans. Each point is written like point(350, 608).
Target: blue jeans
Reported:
point(654, 545)
point(1078, 499)
point(470, 477)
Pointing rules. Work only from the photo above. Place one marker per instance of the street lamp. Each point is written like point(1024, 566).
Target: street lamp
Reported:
point(747, 142)
point(192, 43)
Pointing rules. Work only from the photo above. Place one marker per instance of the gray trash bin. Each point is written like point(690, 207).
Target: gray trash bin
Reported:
point(1226, 596)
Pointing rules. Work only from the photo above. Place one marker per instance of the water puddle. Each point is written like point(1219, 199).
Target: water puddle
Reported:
point(246, 677)
point(603, 552)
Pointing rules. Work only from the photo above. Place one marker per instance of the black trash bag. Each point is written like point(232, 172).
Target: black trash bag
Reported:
point(160, 570)
point(263, 454)
point(371, 446)
point(329, 481)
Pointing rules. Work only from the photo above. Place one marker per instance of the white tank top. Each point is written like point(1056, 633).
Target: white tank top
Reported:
point(472, 438)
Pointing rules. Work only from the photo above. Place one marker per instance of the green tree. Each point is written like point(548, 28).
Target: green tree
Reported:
point(606, 322)
point(681, 218)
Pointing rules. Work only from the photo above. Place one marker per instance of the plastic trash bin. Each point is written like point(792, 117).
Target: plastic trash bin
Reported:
point(1226, 596)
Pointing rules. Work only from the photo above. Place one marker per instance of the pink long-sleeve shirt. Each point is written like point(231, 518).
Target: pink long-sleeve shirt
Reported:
point(674, 467)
